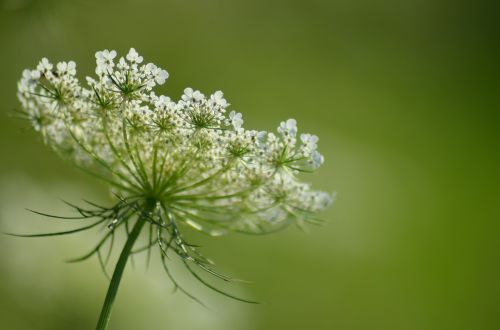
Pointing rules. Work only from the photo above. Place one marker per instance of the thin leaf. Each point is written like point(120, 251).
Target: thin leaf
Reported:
point(58, 233)
point(210, 286)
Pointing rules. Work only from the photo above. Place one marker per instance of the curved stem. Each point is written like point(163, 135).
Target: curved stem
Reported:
point(102, 324)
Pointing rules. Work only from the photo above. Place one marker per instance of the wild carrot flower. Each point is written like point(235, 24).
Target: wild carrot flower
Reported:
point(169, 163)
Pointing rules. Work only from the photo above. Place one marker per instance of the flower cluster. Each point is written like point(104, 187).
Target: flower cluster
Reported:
point(191, 160)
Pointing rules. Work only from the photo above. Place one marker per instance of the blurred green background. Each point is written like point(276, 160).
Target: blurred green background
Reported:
point(405, 98)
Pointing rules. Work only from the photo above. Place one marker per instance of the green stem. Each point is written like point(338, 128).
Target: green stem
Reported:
point(102, 324)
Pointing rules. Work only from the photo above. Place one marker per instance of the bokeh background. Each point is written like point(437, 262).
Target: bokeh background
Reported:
point(405, 98)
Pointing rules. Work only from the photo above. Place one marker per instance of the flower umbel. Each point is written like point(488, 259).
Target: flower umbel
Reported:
point(170, 163)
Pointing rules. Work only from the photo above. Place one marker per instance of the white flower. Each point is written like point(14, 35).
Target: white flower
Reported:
point(288, 127)
point(310, 141)
point(236, 119)
point(159, 75)
point(170, 162)
point(104, 60)
point(123, 64)
point(192, 95)
point(69, 68)
point(133, 56)
point(44, 65)
point(90, 81)
point(26, 83)
point(317, 159)
point(188, 155)
point(217, 99)
point(35, 74)
point(105, 56)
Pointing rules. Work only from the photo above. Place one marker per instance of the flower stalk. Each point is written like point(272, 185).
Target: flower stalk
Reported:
point(114, 283)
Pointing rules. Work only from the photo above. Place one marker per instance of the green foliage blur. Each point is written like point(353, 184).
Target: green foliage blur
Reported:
point(404, 96)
